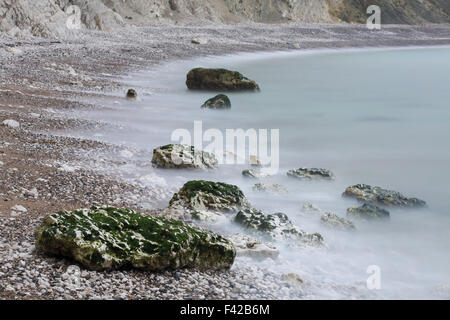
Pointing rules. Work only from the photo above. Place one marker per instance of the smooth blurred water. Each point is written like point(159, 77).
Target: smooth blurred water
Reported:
point(379, 117)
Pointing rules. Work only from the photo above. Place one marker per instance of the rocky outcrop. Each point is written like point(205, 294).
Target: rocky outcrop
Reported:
point(219, 80)
point(379, 196)
point(220, 101)
point(200, 195)
point(368, 212)
point(334, 221)
point(180, 156)
point(311, 174)
point(109, 238)
point(274, 226)
point(249, 247)
point(270, 188)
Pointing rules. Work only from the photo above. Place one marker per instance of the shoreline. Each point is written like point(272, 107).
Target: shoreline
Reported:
point(31, 160)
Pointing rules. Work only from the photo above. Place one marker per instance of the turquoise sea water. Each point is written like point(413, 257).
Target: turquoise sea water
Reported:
point(379, 117)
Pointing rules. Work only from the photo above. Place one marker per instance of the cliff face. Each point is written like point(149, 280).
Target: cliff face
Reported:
point(47, 17)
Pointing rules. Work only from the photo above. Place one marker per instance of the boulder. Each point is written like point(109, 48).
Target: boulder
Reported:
point(293, 279)
point(310, 208)
point(199, 41)
point(249, 247)
point(181, 156)
point(132, 94)
point(255, 173)
point(379, 196)
point(200, 195)
point(219, 80)
point(270, 188)
point(311, 174)
point(220, 101)
point(274, 226)
point(103, 238)
point(368, 212)
point(208, 216)
point(334, 221)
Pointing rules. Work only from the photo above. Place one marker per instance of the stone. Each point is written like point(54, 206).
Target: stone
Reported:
point(256, 173)
point(208, 216)
point(220, 101)
point(132, 94)
point(219, 80)
point(253, 248)
point(311, 174)
point(311, 209)
point(199, 41)
point(270, 188)
point(379, 196)
point(181, 156)
point(103, 238)
point(201, 195)
point(334, 221)
point(368, 212)
point(293, 279)
point(11, 123)
point(274, 226)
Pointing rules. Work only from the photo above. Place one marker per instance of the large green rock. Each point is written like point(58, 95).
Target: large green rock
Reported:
point(219, 80)
point(110, 238)
point(274, 226)
point(200, 195)
point(181, 156)
point(379, 196)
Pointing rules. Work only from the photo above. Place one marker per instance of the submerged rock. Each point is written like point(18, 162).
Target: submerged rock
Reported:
point(377, 195)
point(274, 226)
point(132, 94)
point(199, 41)
point(200, 195)
point(293, 279)
point(368, 212)
point(220, 101)
point(255, 173)
point(219, 79)
point(249, 247)
point(334, 221)
point(270, 188)
point(311, 174)
point(111, 238)
point(311, 209)
point(182, 156)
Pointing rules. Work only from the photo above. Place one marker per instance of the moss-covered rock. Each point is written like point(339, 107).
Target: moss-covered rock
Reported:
point(181, 156)
point(219, 80)
point(379, 196)
point(311, 174)
point(201, 195)
point(104, 238)
point(220, 101)
point(274, 226)
point(368, 212)
point(334, 221)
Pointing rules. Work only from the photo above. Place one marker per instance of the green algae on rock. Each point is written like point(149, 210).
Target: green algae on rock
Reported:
point(181, 156)
point(377, 195)
point(274, 226)
point(368, 212)
point(103, 238)
point(201, 195)
point(219, 79)
point(220, 101)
